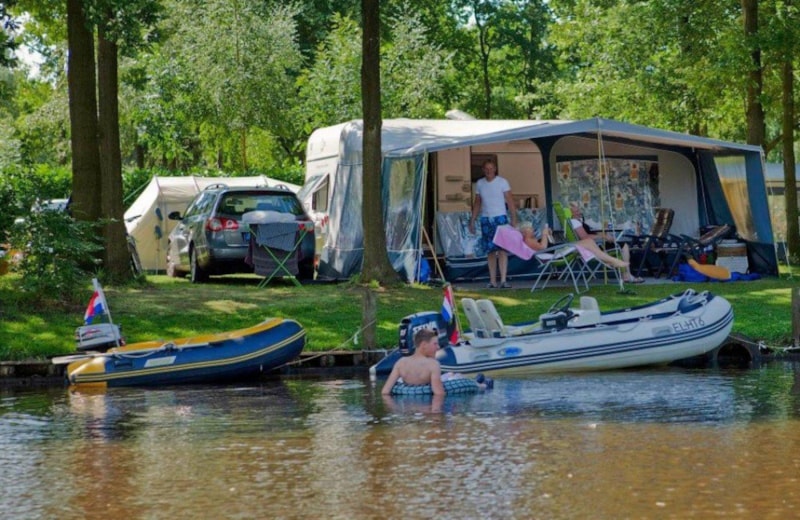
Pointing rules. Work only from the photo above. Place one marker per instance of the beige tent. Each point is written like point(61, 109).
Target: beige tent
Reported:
point(146, 219)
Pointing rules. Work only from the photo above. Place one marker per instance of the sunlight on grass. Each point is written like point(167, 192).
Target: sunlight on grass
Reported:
point(229, 306)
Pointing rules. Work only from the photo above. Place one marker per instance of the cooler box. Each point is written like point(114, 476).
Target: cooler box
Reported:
point(732, 255)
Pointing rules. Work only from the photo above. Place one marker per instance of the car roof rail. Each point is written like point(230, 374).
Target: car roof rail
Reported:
point(216, 186)
point(281, 187)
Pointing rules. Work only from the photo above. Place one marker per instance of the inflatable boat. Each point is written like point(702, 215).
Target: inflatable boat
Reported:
point(574, 339)
point(226, 356)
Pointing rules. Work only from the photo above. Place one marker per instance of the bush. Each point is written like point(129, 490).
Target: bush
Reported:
point(58, 255)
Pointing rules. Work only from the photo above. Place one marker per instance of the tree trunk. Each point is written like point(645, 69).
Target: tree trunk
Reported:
point(139, 152)
point(116, 258)
point(82, 115)
point(376, 264)
point(756, 128)
point(789, 176)
point(376, 261)
point(483, 35)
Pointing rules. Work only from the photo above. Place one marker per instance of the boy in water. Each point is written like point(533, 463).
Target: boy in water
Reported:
point(420, 368)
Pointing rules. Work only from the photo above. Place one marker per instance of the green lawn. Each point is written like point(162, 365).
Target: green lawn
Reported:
point(169, 308)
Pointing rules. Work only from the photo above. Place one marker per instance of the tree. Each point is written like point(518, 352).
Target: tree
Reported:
point(94, 123)
point(86, 179)
point(245, 79)
point(784, 22)
point(756, 128)
point(116, 255)
point(376, 264)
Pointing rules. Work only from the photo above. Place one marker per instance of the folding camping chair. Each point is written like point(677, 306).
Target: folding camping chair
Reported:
point(559, 261)
point(642, 246)
point(275, 248)
point(684, 246)
point(589, 265)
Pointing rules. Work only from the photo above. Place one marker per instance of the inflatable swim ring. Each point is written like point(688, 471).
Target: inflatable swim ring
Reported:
point(459, 385)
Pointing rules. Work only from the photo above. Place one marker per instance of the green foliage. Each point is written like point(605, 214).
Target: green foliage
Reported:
point(7, 206)
point(27, 185)
point(58, 254)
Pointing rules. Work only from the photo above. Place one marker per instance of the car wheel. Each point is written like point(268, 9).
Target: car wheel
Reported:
point(198, 274)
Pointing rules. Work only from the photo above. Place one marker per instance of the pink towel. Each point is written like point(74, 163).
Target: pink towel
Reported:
point(511, 240)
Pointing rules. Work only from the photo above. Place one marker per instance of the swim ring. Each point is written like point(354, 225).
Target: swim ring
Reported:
point(459, 385)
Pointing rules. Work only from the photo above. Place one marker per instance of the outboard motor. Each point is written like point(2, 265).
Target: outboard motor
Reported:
point(421, 320)
point(98, 338)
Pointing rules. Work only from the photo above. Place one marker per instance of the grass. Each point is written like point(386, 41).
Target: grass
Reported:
point(331, 313)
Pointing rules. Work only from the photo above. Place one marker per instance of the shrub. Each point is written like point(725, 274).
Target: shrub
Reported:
point(58, 254)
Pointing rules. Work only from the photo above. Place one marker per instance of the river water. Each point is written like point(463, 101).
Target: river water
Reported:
point(665, 443)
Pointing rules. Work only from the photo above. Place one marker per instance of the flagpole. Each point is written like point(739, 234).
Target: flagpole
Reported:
point(455, 308)
point(106, 306)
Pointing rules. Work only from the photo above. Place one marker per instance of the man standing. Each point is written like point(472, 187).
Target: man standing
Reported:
point(493, 201)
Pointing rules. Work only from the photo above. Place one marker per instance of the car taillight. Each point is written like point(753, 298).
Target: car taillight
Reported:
point(219, 224)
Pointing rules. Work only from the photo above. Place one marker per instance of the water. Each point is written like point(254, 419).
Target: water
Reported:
point(668, 443)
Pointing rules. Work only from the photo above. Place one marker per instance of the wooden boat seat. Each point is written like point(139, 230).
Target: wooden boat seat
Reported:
point(476, 324)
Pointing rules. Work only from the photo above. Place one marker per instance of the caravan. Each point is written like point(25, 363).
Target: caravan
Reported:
point(619, 172)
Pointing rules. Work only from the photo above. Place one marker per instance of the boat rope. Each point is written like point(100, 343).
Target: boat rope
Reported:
point(353, 339)
point(764, 347)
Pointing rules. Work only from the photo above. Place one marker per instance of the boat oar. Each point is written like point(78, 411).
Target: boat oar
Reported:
point(62, 360)
point(65, 360)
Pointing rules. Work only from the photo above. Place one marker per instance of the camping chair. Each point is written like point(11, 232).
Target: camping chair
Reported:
point(560, 261)
point(690, 247)
point(590, 265)
point(642, 245)
point(274, 249)
point(670, 250)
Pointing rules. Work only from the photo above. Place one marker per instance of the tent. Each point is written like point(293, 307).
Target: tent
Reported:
point(619, 171)
point(146, 219)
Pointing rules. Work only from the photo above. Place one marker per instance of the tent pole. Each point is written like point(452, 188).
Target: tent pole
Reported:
point(435, 257)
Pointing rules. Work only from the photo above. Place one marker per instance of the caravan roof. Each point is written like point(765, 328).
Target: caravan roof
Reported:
point(401, 137)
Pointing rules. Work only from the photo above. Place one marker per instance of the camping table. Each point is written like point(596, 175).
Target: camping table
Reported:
point(275, 248)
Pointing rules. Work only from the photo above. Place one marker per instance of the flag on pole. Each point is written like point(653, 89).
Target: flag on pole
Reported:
point(449, 314)
point(97, 305)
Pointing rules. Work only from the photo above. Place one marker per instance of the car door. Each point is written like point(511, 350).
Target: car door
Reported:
point(192, 223)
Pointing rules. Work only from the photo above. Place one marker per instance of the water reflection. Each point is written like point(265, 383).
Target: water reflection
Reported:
point(658, 443)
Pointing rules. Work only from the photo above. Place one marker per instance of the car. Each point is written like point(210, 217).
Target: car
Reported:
point(60, 205)
point(210, 238)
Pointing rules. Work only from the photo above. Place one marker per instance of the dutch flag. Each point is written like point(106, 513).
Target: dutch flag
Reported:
point(449, 314)
point(97, 305)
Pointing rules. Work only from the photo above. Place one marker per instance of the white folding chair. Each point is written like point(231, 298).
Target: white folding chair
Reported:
point(559, 261)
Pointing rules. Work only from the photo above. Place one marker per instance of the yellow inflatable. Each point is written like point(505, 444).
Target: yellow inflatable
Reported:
point(717, 272)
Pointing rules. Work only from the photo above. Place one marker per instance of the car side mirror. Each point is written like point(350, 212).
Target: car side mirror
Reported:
point(175, 215)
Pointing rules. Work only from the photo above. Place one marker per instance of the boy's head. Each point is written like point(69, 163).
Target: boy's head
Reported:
point(425, 337)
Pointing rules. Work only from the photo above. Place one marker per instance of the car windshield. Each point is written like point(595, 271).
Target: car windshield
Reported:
point(237, 204)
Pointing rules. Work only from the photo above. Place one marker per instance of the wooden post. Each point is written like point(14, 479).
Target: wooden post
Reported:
point(369, 325)
point(796, 317)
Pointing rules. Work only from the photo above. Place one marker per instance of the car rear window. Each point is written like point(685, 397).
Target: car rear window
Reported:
point(237, 204)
